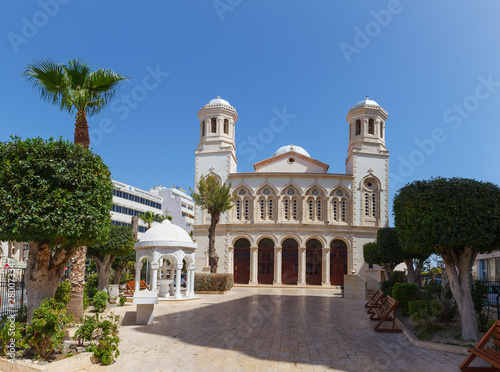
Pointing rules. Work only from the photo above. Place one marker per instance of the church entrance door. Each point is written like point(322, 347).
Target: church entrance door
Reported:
point(338, 262)
point(266, 266)
point(313, 262)
point(290, 273)
point(242, 265)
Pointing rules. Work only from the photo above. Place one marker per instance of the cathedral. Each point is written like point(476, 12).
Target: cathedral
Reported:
point(293, 222)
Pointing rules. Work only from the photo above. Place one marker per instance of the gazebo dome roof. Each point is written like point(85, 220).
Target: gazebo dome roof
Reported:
point(165, 234)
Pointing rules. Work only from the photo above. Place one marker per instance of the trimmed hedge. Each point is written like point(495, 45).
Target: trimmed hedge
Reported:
point(404, 293)
point(213, 282)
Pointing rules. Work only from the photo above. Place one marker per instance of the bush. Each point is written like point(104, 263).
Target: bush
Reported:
point(45, 332)
point(448, 305)
point(386, 287)
point(122, 301)
point(480, 299)
point(424, 313)
point(100, 301)
point(213, 282)
point(105, 344)
point(63, 292)
point(91, 285)
point(404, 293)
point(398, 277)
point(86, 330)
point(11, 330)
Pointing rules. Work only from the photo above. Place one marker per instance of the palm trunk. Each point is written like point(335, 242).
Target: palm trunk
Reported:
point(82, 129)
point(77, 281)
point(213, 258)
point(43, 273)
point(77, 273)
point(458, 268)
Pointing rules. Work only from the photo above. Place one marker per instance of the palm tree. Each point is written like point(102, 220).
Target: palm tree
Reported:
point(216, 198)
point(150, 217)
point(73, 87)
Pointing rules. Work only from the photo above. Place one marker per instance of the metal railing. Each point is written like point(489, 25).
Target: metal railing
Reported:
point(12, 297)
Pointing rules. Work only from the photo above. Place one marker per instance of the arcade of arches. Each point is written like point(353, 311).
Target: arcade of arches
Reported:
point(290, 264)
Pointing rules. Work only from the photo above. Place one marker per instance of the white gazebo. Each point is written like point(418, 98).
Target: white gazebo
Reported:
point(164, 242)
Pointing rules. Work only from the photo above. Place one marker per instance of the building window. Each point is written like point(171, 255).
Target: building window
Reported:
point(318, 209)
point(358, 127)
point(371, 127)
point(294, 211)
point(335, 211)
point(381, 131)
point(238, 209)
point(374, 205)
point(226, 126)
point(370, 186)
point(262, 203)
point(214, 125)
point(270, 209)
point(344, 210)
point(247, 209)
point(367, 204)
point(203, 128)
point(286, 209)
point(311, 212)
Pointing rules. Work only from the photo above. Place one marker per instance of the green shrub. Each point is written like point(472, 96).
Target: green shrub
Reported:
point(86, 330)
point(105, 339)
point(404, 293)
point(430, 291)
point(11, 330)
point(123, 299)
point(91, 286)
point(213, 282)
point(424, 314)
point(448, 305)
point(100, 301)
point(63, 292)
point(480, 299)
point(398, 277)
point(386, 287)
point(45, 332)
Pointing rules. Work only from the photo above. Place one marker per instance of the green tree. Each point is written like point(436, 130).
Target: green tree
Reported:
point(456, 218)
point(120, 264)
point(75, 88)
point(149, 217)
point(120, 243)
point(216, 198)
point(56, 195)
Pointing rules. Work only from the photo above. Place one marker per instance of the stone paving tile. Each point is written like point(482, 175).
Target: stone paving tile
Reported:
point(268, 329)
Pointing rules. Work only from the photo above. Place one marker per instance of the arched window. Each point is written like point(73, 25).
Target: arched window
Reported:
point(226, 126)
point(203, 128)
point(340, 211)
point(381, 130)
point(370, 198)
point(214, 125)
point(286, 209)
point(335, 210)
point(371, 127)
point(242, 205)
point(358, 127)
point(266, 203)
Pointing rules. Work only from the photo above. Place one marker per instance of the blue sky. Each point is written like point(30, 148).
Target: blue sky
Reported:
point(434, 66)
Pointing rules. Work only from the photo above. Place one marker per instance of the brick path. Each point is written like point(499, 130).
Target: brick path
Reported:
point(268, 329)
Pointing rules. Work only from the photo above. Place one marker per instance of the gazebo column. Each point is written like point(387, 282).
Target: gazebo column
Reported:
point(302, 267)
point(137, 267)
point(154, 274)
point(325, 260)
point(277, 265)
point(254, 258)
point(190, 281)
point(178, 281)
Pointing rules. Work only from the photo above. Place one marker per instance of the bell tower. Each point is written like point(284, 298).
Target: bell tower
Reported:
point(368, 162)
point(216, 152)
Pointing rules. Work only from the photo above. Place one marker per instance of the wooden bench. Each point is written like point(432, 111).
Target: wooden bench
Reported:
point(386, 311)
point(492, 356)
point(375, 301)
point(131, 286)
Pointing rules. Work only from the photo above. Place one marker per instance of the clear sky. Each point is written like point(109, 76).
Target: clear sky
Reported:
point(434, 66)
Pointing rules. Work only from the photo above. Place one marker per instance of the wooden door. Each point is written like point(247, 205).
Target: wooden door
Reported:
point(242, 265)
point(290, 272)
point(338, 266)
point(313, 266)
point(266, 266)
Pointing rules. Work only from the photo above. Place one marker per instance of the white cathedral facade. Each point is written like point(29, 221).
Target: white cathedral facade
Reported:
point(292, 221)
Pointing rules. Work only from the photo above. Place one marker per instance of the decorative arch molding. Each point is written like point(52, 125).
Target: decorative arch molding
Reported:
point(370, 175)
point(320, 238)
point(342, 187)
point(273, 189)
point(291, 184)
point(309, 190)
point(243, 185)
point(344, 238)
point(246, 236)
point(267, 235)
point(291, 236)
point(142, 256)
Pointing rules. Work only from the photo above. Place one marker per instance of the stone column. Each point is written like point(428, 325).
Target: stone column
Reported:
point(138, 267)
point(178, 281)
point(193, 267)
point(302, 267)
point(231, 259)
point(325, 266)
point(154, 275)
point(277, 265)
point(190, 281)
point(254, 265)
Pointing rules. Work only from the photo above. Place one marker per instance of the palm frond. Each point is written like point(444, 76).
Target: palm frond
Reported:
point(78, 73)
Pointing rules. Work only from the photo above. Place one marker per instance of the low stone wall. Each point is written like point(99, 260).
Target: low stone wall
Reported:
point(354, 287)
point(77, 362)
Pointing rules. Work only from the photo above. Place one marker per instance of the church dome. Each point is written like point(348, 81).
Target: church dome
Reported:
point(291, 147)
point(218, 101)
point(165, 234)
point(367, 101)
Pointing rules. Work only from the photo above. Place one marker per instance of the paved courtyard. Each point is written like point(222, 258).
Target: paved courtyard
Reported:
point(268, 329)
